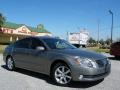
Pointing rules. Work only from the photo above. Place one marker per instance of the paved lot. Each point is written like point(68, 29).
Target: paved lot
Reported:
point(26, 80)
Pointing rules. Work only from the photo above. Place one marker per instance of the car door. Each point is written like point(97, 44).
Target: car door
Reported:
point(38, 60)
point(20, 53)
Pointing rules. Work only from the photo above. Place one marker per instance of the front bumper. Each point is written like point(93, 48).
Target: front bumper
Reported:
point(88, 74)
point(94, 77)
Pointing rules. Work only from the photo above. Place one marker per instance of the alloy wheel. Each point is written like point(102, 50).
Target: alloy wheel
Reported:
point(10, 64)
point(62, 75)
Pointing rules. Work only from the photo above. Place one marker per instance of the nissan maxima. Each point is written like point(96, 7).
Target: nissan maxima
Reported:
point(56, 58)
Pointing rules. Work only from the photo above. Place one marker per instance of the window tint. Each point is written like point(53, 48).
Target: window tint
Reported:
point(58, 44)
point(24, 43)
point(36, 43)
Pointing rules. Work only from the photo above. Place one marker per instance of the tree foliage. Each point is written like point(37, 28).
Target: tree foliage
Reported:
point(108, 41)
point(2, 20)
point(102, 42)
point(91, 40)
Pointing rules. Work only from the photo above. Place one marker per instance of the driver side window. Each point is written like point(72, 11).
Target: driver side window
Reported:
point(36, 43)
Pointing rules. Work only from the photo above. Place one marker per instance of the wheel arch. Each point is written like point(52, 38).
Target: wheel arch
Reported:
point(8, 57)
point(56, 62)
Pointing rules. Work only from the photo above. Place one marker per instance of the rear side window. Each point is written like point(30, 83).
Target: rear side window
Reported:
point(24, 43)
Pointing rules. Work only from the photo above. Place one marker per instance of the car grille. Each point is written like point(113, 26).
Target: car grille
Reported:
point(102, 62)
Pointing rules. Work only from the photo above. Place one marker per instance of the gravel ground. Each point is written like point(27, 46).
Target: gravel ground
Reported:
point(26, 80)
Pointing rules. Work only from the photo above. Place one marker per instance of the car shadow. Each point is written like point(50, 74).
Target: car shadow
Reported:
point(49, 80)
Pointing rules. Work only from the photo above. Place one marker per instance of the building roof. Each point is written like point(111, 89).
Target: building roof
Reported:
point(39, 30)
point(32, 29)
point(11, 25)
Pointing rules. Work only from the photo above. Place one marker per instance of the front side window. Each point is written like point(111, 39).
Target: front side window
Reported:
point(36, 43)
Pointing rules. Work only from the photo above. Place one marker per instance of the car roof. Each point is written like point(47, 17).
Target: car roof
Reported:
point(44, 37)
point(39, 37)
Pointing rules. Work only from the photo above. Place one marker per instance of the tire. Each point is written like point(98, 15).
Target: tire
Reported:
point(10, 64)
point(61, 74)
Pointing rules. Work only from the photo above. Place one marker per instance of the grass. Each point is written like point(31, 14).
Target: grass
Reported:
point(96, 49)
point(2, 48)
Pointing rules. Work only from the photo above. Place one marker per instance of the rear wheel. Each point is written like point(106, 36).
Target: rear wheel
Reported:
point(61, 74)
point(10, 64)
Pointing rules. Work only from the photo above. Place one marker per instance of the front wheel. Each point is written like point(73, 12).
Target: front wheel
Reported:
point(10, 64)
point(62, 74)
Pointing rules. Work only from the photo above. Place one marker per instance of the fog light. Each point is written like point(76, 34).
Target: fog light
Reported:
point(80, 77)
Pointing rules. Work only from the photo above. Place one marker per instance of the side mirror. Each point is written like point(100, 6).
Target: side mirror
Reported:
point(40, 48)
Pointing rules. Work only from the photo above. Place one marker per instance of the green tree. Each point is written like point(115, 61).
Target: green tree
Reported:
point(91, 40)
point(102, 42)
point(108, 41)
point(2, 20)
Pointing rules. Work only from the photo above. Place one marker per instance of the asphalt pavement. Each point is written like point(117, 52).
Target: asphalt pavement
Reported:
point(27, 80)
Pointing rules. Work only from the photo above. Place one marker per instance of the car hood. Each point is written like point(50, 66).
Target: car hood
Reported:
point(81, 53)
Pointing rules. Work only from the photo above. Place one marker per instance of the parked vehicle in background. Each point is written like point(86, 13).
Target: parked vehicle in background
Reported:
point(79, 39)
point(56, 58)
point(115, 49)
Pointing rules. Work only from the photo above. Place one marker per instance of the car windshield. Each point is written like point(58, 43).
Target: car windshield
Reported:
point(58, 44)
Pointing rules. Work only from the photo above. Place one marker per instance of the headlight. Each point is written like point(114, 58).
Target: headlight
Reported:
point(85, 62)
